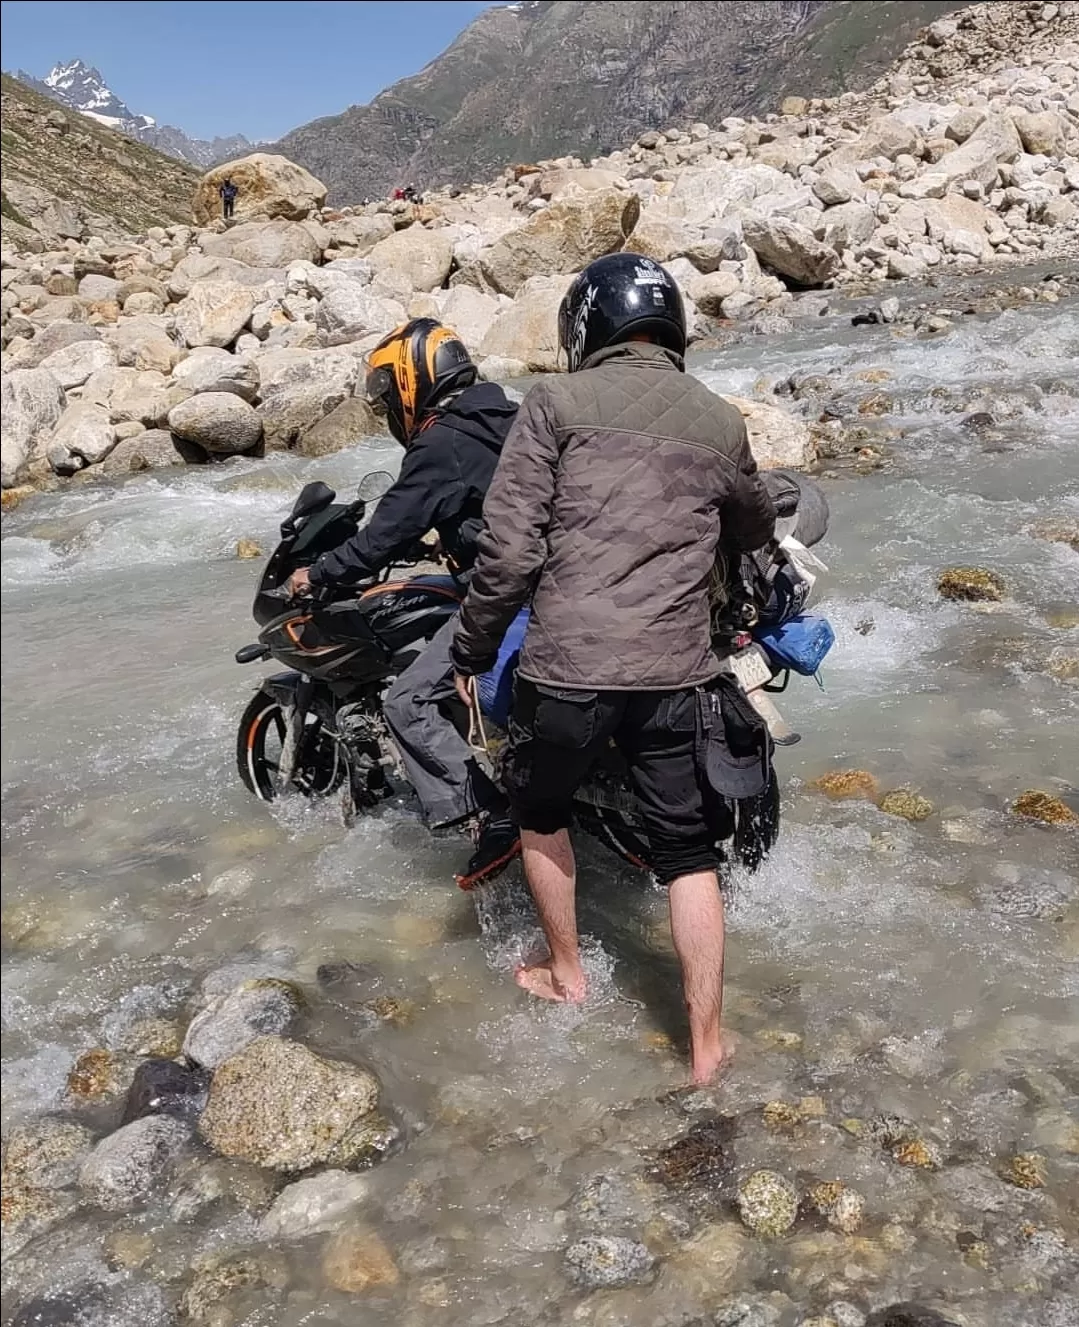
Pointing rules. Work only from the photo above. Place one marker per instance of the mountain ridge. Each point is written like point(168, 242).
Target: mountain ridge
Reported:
point(545, 78)
point(82, 87)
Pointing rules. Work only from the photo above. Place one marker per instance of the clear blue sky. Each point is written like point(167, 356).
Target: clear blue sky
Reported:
point(257, 67)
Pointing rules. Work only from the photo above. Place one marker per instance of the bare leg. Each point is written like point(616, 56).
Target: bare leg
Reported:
point(697, 927)
point(552, 877)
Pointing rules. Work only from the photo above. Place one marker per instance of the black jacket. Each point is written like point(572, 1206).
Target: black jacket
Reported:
point(444, 478)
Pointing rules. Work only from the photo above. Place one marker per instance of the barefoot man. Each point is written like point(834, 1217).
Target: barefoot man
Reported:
point(614, 489)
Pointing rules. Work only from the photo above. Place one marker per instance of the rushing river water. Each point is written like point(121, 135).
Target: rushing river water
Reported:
point(923, 970)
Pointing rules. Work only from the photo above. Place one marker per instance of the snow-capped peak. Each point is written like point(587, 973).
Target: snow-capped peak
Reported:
point(80, 87)
point(83, 88)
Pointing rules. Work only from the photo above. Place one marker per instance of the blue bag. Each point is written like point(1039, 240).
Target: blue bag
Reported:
point(496, 687)
point(799, 644)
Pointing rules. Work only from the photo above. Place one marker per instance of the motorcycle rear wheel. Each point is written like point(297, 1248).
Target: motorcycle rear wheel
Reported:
point(322, 766)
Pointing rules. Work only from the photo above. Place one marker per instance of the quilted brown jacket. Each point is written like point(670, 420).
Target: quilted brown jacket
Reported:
point(613, 490)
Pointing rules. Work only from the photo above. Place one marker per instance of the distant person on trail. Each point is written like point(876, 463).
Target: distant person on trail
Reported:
point(228, 192)
point(616, 485)
point(451, 427)
point(398, 195)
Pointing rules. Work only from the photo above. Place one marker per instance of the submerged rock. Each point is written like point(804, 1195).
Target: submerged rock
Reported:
point(122, 1169)
point(1026, 1170)
point(767, 1203)
point(781, 1116)
point(280, 1105)
point(357, 1260)
point(700, 1157)
point(908, 1315)
point(746, 1313)
point(842, 1207)
point(44, 1154)
point(263, 1007)
point(218, 1277)
point(843, 784)
point(246, 549)
point(603, 1261)
point(918, 1153)
point(166, 1087)
point(99, 1075)
point(1043, 806)
point(906, 804)
point(320, 1202)
point(971, 585)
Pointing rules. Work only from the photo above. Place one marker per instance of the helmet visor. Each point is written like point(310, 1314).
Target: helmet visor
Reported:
point(377, 389)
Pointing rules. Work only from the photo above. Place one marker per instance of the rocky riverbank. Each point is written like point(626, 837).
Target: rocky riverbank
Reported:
point(192, 343)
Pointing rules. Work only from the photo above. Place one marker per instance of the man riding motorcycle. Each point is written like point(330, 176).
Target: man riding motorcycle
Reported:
point(452, 428)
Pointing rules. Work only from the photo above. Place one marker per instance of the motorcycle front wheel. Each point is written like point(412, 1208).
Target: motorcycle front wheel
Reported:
point(321, 767)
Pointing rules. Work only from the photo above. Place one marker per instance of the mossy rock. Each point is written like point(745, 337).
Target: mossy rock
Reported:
point(971, 585)
point(847, 784)
point(906, 804)
point(1043, 806)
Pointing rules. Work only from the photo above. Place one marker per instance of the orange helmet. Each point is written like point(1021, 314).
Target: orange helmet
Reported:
point(411, 370)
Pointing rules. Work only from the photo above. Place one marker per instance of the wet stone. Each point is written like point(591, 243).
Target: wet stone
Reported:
point(767, 1203)
point(280, 1105)
point(166, 1087)
point(45, 1154)
point(123, 1168)
point(265, 1006)
point(781, 1116)
point(247, 549)
point(99, 1075)
point(160, 1037)
point(318, 1203)
point(842, 1207)
point(746, 1313)
point(908, 1315)
point(971, 585)
point(604, 1261)
point(918, 1153)
point(215, 1279)
point(357, 1260)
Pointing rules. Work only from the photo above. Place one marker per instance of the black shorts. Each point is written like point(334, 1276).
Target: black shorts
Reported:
point(556, 736)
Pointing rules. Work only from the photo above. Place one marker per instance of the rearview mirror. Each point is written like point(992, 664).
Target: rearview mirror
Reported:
point(375, 485)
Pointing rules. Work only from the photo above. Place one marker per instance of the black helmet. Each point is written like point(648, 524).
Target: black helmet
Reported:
point(615, 299)
point(410, 371)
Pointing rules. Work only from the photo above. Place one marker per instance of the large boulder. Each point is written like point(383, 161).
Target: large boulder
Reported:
point(360, 233)
point(31, 403)
point(778, 441)
point(132, 395)
point(562, 238)
point(55, 337)
point(212, 370)
point(424, 256)
point(470, 313)
point(851, 224)
point(889, 137)
point(995, 141)
point(268, 186)
point(152, 449)
point(214, 313)
point(528, 330)
point(661, 237)
point(264, 244)
point(73, 364)
point(572, 182)
point(350, 312)
point(219, 422)
point(280, 1105)
point(84, 436)
point(344, 426)
point(297, 388)
point(198, 267)
point(1041, 132)
point(790, 249)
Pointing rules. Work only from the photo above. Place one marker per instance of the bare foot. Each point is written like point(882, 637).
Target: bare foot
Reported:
point(539, 979)
point(708, 1059)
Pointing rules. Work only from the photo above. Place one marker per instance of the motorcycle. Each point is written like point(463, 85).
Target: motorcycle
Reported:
point(317, 729)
